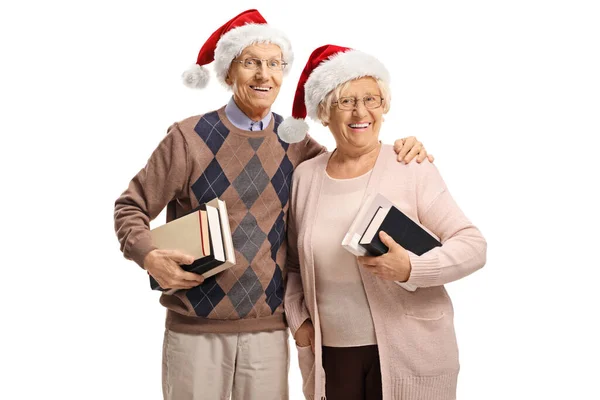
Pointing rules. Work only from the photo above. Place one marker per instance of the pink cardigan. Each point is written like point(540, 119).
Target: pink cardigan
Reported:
point(414, 330)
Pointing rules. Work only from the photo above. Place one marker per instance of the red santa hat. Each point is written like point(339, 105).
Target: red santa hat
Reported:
point(227, 42)
point(328, 67)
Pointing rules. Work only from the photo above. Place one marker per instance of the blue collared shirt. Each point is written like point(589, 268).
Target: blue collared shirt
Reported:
point(241, 120)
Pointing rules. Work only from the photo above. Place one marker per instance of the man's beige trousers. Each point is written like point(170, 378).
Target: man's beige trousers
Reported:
point(240, 366)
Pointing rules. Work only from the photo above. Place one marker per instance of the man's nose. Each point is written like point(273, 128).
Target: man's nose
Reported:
point(262, 71)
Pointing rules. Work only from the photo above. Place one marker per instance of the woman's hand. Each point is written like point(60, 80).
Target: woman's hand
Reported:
point(393, 265)
point(305, 335)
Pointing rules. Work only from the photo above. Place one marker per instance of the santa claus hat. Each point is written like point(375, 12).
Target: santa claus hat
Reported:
point(227, 42)
point(328, 67)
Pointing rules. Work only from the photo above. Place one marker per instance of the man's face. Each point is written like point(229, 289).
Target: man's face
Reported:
point(255, 89)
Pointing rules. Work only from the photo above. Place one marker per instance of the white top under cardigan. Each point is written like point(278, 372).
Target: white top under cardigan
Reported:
point(337, 276)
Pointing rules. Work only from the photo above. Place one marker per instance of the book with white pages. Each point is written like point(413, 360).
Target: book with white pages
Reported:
point(220, 255)
point(228, 249)
point(368, 209)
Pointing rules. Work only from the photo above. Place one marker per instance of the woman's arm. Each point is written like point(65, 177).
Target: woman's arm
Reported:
point(463, 249)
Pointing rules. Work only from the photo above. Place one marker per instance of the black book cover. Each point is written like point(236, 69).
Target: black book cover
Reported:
point(404, 231)
point(200, 265)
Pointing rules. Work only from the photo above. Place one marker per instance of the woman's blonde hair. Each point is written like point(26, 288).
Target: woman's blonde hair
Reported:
point(324, 109)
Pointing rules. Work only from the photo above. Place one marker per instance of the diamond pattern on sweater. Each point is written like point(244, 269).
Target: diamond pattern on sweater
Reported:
point(212, 131)
point(212, 183)
point(251, 181)
point(266, 209)
point(245, 292)
point(274, 291)
point(253, 175)
point(276, 236)
point(248, 237)
point(205, 297)
point(282, 181)
point(256, 142)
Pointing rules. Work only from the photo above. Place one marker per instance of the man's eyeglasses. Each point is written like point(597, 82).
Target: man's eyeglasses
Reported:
point(256, 63)
point(349, 103)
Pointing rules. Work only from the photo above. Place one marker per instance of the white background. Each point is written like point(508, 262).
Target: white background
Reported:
point(505, 94)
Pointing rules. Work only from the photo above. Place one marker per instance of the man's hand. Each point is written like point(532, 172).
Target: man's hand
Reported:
point(305, 335)
point(164, 266)
point(393, 265)
point(409, 148)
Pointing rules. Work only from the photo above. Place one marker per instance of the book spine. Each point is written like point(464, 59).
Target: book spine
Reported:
point(351, 244)
point(357, 251)
point(376, 248)
point(201, 225)
point(207, 267)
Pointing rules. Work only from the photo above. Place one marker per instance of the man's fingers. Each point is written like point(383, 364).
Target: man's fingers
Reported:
point(183, 285)
point(179, 257)
point(174, 277)
point(430, 157)
point(422, 155)
point(179, 283)
point(409, 142)
point(398, 144)
point(192, 277)
point(413, 152)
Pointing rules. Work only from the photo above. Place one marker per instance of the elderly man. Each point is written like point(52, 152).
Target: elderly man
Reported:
point(226, 335)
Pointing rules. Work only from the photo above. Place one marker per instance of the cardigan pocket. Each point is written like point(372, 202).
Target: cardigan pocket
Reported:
point(430, 344)
point(428, 304)
point(306, 359)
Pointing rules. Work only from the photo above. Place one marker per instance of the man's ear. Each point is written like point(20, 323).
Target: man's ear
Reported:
point(228, 79)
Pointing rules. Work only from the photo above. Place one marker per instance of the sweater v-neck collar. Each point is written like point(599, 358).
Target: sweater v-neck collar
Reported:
point(269, 130)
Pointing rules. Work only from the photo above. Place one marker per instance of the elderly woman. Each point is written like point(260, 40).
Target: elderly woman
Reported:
point(360, 333)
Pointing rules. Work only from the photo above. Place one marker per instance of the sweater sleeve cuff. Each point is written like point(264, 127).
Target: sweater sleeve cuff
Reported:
point(425, 270)
point(140, 249)
point(296, 313)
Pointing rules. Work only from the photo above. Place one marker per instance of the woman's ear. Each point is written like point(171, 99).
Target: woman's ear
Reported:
point(325, 123)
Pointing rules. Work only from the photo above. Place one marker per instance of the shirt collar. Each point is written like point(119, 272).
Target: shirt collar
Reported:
point(241, 120)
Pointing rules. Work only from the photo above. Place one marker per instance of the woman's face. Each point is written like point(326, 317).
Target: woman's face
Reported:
point(357, 128)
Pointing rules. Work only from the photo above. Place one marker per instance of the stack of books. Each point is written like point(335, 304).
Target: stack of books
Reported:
point(204, 234)
point(378, 214)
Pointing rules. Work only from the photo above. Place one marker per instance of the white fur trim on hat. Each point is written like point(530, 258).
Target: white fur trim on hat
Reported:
point(236, 40)
point(340, 68)
point(292, 130)
point(196, 77)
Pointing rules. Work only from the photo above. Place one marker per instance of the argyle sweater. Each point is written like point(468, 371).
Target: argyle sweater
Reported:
point(201, 158)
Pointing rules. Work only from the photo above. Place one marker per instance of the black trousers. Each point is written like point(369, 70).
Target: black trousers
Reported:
point(352, 373)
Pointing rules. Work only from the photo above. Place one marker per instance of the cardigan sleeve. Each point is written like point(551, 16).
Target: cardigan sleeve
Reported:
point(463, 249)
point(294, 305)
